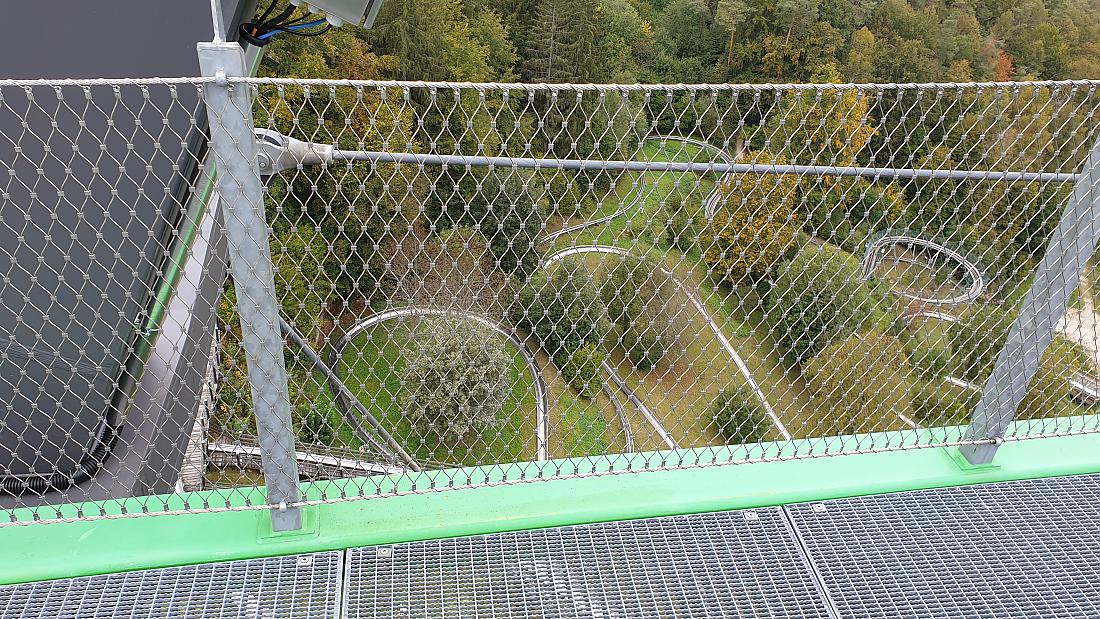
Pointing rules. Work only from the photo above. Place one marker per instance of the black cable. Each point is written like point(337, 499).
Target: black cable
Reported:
point(281, 17)
point(267, 13)
point(298, 20)
point(260, 32)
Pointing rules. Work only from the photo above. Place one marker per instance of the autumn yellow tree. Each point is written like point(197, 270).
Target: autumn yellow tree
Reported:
point(755, 224)
point(827, 126)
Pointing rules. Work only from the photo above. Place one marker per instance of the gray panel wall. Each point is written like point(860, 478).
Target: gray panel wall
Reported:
point(83, 238)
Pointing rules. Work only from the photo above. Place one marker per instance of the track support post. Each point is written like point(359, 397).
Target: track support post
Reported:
point(1044, 305)
point(233, 143)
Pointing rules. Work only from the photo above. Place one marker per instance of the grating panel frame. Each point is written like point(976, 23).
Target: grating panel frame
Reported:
point(302, 586)
point(728, 564)
point(1016, 549)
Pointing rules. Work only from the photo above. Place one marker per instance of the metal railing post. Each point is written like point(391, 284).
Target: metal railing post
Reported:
point(1058, 275)
point(229, 110)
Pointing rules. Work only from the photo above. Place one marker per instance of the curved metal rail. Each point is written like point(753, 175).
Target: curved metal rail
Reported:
point(542, 399)
point(931, 314)
point(872, 258)
point(693, 296)
point(710, 203)
point(620, 412)
point(646, 412)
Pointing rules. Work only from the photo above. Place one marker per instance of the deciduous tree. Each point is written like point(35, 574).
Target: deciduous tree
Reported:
point(457, 378)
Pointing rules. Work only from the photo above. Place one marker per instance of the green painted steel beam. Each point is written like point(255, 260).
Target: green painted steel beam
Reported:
point(60, 550)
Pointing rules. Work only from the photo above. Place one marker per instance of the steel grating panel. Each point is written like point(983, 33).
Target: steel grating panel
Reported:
point(1019, 549)
point(305, 586)
point(730, 564)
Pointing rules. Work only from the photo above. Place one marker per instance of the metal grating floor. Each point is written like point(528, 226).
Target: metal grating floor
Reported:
point(282, 587)
point(731, 564)
point(1019, 549)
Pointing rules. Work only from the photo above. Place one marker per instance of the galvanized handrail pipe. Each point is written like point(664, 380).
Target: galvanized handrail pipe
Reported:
point(703, 167)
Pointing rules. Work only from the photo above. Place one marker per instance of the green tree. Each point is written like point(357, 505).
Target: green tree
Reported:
point(1047, 394)
point(819, 297)
point(742, 247)
point(622, 40)
point(977, 339)
point(689, 42)
point(488, 30)
point(860, 66)
point(831, 126)
point(561, 307)
point(847, 211)
point(683, 226)
point(457, 379)
point(498, 204)
point(636, 292)
point(645, 347)
point(301, 285)
point(567, 193)
point(732, 15)
point(561, 42)
point(740, 417)
point(940, 403)
point(318, 424)
point(312, 412)
point(633, 288)
point(1041, 50)
point(432, 40)
point(860, 383)
point(581, 368)
point(930, 356)
point(233, 413)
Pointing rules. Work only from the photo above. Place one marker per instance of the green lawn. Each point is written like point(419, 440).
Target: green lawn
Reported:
point(578, 426)
point(373, 365)
point(585, 432)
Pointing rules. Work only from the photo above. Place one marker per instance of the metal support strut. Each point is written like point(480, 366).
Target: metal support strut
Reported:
point(229, 110)
point(1057, 276)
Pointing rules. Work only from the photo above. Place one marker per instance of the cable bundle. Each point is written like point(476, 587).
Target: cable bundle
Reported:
point(261, 31)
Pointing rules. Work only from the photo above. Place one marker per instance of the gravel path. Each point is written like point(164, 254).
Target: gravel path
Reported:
point(1082, 326)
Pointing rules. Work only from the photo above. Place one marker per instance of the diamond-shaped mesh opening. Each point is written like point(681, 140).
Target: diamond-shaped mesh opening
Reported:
point(496, 275)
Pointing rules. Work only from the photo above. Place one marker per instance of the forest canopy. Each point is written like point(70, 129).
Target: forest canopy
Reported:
point(702, 41)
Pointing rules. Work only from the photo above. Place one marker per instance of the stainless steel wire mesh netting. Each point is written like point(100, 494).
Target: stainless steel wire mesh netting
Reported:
point(481, 275)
